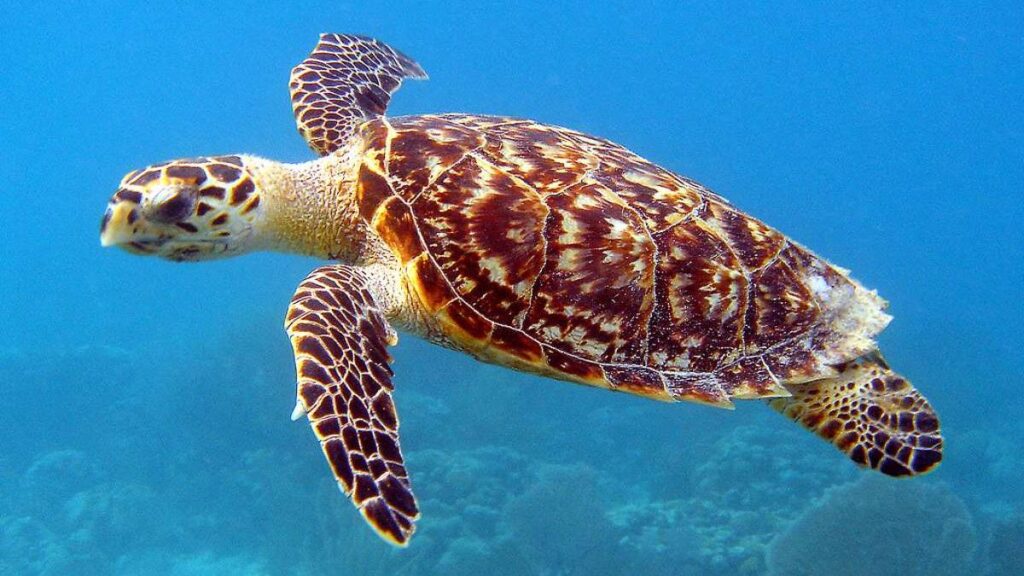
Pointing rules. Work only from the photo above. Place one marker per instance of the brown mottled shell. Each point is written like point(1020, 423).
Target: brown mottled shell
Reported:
point(552, 251)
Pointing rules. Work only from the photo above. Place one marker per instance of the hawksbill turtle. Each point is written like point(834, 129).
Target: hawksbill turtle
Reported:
point(526, 245)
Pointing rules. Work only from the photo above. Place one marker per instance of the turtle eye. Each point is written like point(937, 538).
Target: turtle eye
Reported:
point(172, 204)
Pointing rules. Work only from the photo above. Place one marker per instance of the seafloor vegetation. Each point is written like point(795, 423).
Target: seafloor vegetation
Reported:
point(179, 463)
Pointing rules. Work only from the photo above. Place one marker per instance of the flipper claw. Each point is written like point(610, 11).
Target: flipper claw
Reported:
point(299, 411)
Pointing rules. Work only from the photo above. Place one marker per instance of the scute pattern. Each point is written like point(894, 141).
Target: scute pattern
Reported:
point(416, 158)
point(783, 308)
point(663, 198)
point(594, 295)
point(701, 298)
point(340, 340)
point(546, 158)
point(754, 244)
point(553, 251)
point(489, 245)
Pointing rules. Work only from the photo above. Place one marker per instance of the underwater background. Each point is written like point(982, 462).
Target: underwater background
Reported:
point(144, 421)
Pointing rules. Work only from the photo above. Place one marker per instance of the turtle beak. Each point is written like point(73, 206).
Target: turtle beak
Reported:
point(115, 228)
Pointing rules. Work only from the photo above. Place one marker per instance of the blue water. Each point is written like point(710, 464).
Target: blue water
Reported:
point(144, 425)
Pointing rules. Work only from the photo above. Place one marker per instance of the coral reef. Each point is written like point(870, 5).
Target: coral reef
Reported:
point(559, 524)
point(659, 537)
point(28, 547)
point(881, 526)
point(999, 490)
point(55, 477)
point(157, 481)
point(750, 484)
point(198, 564)
point(1006, 548)
point(488, 507)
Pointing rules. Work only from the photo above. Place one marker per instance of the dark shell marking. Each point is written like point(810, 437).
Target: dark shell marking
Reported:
point(564, 254)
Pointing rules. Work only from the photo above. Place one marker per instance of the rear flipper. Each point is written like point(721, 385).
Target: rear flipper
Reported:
point(872, 414)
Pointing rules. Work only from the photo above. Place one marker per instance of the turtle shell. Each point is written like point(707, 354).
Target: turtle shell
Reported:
point(556, 252)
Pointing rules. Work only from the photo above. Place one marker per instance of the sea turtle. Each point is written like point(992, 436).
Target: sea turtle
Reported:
point(526, 245)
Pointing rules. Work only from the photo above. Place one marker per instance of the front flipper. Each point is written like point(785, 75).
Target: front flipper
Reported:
point(344, 82)
point(340, 339)
point(872, 414)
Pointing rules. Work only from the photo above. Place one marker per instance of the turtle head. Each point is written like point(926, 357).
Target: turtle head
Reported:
point(185, 210)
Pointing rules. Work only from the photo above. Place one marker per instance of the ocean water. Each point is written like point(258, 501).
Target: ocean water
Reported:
point(144, 421)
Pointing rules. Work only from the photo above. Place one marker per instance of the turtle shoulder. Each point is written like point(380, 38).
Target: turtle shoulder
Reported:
point(561, 253)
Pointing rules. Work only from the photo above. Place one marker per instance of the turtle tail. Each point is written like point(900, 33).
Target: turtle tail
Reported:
point(872, 414)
